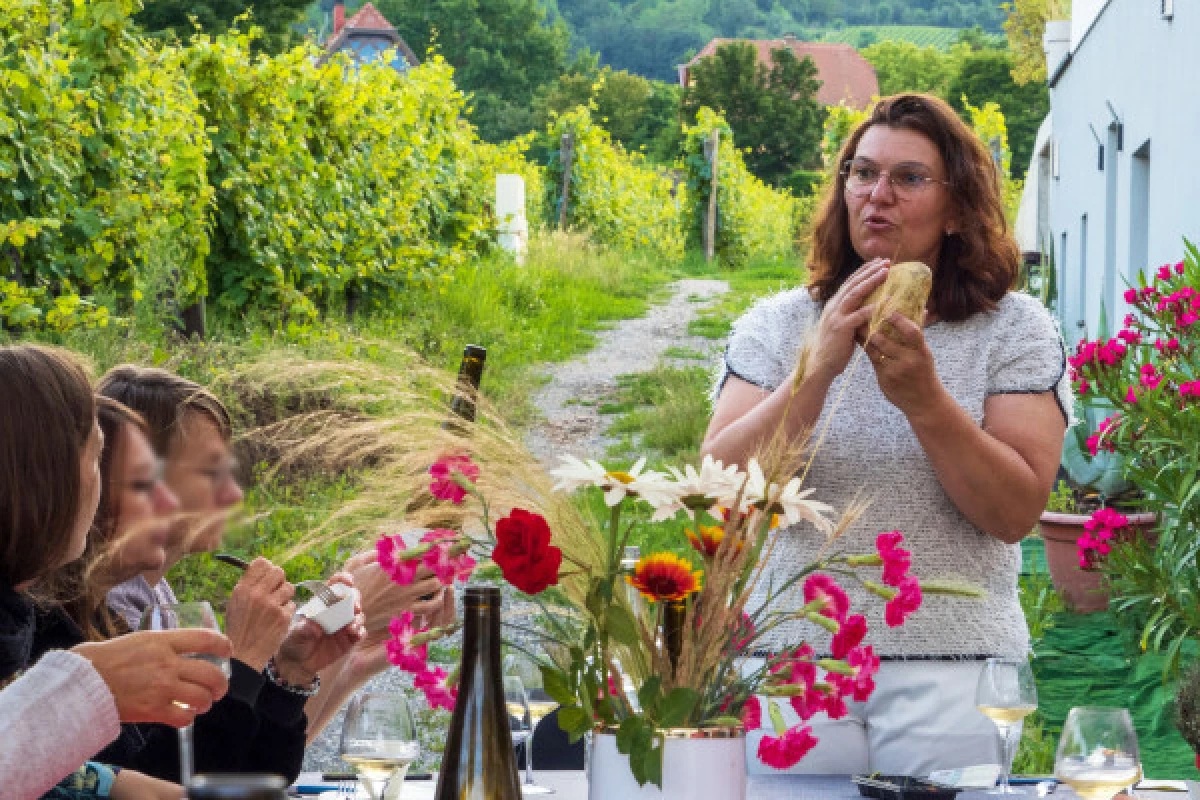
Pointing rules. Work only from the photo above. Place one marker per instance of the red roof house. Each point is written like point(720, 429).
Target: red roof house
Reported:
point(846, 77)
point(368, 35)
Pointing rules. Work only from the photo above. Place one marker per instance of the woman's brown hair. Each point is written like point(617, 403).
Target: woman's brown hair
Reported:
point(84, 584)
point(47, 413)
point(164, 400)
point(978, 263)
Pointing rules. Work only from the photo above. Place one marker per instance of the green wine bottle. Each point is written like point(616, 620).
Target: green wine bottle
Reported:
point(478, 763)
point(470, 374)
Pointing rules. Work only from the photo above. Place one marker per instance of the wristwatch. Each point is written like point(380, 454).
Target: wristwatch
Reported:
point(304, 690)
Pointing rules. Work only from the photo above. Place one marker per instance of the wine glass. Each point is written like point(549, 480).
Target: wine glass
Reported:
point(1098, 752)
point(527, 669)
point(517, 703)
point(1006, 694)
point(379, 740)
point(185, 615)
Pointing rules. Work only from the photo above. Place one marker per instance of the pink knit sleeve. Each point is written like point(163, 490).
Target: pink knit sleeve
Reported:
point(54, 717)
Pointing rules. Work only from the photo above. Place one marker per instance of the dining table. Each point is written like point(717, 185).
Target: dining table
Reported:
point(572, 785)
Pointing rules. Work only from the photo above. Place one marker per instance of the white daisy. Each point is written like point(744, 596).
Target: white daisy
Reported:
point(795, 506)
point(574, 474)
point(700, 491)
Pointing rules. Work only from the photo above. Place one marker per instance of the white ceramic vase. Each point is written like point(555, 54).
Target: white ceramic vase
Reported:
point(696, 764)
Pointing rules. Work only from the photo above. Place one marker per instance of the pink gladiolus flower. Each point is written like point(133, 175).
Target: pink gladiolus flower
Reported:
point(849, 635)
point(443, 471)
point(752, 714)
point(822, 588)
point(785, 752)
point(906, 601)
point(432, 682)
point(896, 560)
point(401, 572)
point(400, 651)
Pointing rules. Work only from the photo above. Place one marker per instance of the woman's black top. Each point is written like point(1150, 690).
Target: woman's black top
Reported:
point(255, 727)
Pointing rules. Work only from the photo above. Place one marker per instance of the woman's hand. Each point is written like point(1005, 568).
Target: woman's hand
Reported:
point(904, 366)
point(259, 613)
point(843, 319)
point(369, 656)
point(383, 598)
point(307, 649)
point(150, 677)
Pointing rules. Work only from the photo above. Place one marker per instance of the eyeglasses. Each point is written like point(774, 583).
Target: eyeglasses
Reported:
point(862, 177)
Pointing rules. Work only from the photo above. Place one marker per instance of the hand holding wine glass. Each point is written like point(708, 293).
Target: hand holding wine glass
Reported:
point(177, 616)
point(379, 739)
point(1006, 694)
point(1098, 752)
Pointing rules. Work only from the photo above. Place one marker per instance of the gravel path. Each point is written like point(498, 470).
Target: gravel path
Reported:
point(570, 401)
point(573, 424)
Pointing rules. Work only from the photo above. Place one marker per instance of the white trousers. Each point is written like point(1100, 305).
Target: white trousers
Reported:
point(921, 717)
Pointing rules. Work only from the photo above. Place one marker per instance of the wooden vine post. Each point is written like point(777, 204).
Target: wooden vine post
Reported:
point(711, 149)
point(566, 157)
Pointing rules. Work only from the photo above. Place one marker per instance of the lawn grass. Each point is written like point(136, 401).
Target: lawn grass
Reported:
point(758, 278)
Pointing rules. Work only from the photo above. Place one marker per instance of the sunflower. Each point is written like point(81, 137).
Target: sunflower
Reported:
point(664, 577)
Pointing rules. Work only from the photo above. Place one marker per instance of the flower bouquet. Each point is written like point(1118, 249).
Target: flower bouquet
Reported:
point(671, 654)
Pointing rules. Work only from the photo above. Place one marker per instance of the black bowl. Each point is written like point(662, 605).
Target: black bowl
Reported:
point(901, 787)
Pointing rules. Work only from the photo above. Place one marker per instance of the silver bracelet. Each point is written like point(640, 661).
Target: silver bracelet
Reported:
point(295, 688)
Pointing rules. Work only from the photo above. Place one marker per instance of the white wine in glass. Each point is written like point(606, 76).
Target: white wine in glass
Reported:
point(379, 740)
point(525, 668)
point(517, 704)
point(1006, 694)
point(185, 615)
point(1098, 752)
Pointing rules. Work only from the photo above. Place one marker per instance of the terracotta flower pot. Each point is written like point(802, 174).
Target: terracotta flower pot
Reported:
point(1082, 590)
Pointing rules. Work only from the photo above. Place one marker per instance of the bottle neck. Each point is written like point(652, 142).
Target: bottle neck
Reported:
point(481, 633)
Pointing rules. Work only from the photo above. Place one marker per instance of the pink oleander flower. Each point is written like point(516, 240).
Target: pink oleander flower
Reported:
point(859, 685)
point(1131, 296)
point(434, 684)
point(1179, 268)
point(786, 750)
point(1188, 318)
point(823, 589)
point(1130, 337)
point(400, 651)
point(400, 571)
point(441, 560)
point(1131, 396)
point(906, 601)
point(896, 560)
point(1164, 273)
point(849, 635)
point(444, 470)
point(752, 714)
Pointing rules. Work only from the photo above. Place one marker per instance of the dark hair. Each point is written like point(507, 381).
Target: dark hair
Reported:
point(979, 262)
point(163, 399)
point(47, 413)
point(84, 584)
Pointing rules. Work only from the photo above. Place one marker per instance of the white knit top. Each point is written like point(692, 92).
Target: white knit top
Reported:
point(871, 449)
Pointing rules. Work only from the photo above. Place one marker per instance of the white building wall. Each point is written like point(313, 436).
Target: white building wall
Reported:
point(1148, 68)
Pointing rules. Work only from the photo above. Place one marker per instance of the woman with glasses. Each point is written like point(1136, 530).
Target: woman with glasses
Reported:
point(952, 428)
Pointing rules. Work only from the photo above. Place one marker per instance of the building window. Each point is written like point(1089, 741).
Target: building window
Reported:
point(1139, 211)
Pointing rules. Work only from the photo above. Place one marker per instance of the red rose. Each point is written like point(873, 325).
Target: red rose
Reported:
point(524, 553)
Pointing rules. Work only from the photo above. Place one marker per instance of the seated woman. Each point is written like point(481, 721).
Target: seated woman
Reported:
point(259, 726)
point(69, 704)
point(191, 431)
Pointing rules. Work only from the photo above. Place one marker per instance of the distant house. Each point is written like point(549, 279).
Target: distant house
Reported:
point(367, 36)
point(1114, 183)
point(846, 77)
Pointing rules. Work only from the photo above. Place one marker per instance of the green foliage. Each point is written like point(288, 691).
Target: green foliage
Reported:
point(640, 114)
point(1062, 499)
point(184, 17)
point(752, 218)
point(985, 76)
point(502, 51)
point(771, 110)
point(102, 149)
point(990, 126)
point(923, 36)
point(615, 196)
point(1024, 26)
point(904, 66)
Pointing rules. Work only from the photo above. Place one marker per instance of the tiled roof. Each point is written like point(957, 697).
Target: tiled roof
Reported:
point(844, 74)
point(368, 17)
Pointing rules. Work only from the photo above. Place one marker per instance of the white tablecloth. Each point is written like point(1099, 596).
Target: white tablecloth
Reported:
point(573, 786)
